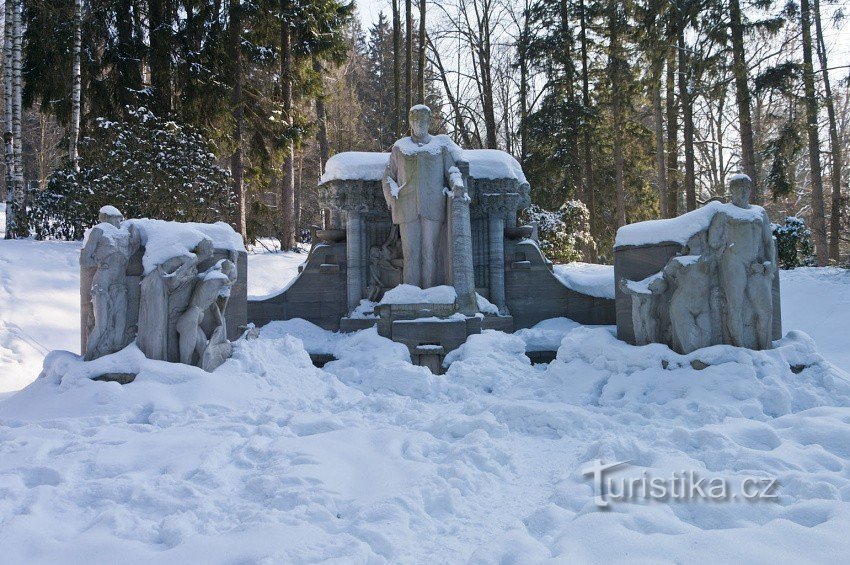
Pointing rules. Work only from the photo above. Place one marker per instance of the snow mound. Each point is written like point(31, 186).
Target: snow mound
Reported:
point(411, 294)
point(546, 335)
point(313, 338)
point(269, 459)
point(682, 228)
point(587, 278)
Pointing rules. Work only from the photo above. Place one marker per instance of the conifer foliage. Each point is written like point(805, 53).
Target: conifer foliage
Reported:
point(148, 166)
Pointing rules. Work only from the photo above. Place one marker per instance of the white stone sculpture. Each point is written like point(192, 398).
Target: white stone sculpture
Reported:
point(747, 259)
point(208, 301)
point(104, 259)
point(420, 169)
point(720, 288)
point(165, 284)
point(424, 187)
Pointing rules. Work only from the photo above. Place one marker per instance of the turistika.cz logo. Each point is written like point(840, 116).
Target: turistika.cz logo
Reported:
point(611, 484)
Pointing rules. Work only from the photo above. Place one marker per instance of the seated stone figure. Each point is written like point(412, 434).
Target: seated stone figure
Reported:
point(385, 262)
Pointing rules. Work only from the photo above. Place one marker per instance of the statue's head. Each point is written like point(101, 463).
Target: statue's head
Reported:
point(740, 187)
point(110, 215)
point(420, 120)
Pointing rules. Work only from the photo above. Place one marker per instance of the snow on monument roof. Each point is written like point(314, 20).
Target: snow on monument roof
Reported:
point(369, 166)
point(587, 278)
point(680, 229)
point(164, 240)
point(493, 164)
point(355, 165)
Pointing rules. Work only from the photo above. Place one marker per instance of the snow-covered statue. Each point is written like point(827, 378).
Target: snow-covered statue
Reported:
point(720, 287)
point(747, 265)
point(421, 166)
point(165, 285)
point(104, 260)
point(207, 347)
point(421, 181)
point(385, 261)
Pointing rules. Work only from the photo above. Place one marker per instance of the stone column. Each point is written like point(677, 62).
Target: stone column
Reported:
point(354, 252)
point(497, 259)
point(463, 273)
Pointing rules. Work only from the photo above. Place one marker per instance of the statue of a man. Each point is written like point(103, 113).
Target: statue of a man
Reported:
point(107, 250)
point(747, 266)
point(421, 173)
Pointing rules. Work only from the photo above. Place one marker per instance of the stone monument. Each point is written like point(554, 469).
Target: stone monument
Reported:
point(705, 278)
point(432, 215)
point(423, 185)
point(179, 290)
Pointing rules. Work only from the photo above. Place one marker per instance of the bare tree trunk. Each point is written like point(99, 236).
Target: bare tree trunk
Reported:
point(286, 205)
point(522, 56)
point(589, 188)
point(129, 70)
point(834, 142)
point(159, 17)
point(658, 114)
point(742, 96)
point(397, 116)
point(322, 122)
point(420, 76)
point(614, 64)
point(818, 215)
point(299, 178)
point(76, 89)
point(672, 132)
point(484, 60)
point(686, 100)
point(237, 167)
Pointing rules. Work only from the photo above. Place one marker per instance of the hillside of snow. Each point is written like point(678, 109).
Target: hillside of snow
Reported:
point(374, 460)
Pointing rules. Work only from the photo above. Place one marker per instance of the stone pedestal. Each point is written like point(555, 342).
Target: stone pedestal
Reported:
point(430, 331)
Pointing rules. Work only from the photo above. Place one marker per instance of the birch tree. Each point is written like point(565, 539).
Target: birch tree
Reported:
point(76, 88)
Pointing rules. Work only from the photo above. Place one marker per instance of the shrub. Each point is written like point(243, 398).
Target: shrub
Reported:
point(146, 167)
point(793, 243)
point(563, 233)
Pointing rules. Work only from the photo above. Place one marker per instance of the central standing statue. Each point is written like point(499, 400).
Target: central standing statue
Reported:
point(421, 174)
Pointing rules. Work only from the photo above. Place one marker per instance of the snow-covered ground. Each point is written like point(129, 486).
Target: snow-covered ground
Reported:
point(269, 273)
point(374, 460)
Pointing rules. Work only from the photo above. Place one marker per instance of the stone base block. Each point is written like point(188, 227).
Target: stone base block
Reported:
point(348, 325)
point(430, 356)
point(500, 323)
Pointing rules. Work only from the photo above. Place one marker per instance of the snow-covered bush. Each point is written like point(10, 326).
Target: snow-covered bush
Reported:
point(793, 243)
point(563, 232)
point(146, 166)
